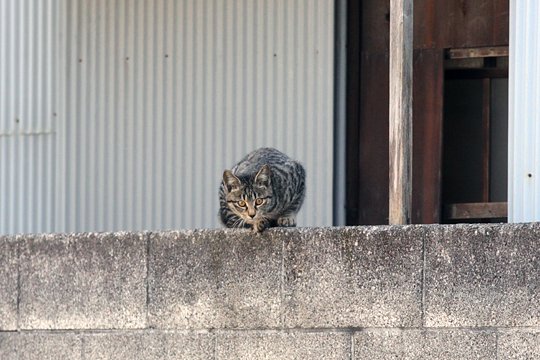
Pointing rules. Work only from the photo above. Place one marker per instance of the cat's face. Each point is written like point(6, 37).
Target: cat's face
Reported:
point(249, 198)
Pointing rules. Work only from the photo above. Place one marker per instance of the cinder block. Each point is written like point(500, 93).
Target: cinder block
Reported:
point(418, 345)
point(8, 346)
point(83, 281)
point(214, 279)
point(519, 344)
point(8, 283)
point(40, 346)
point(148, 346)
point(482, 275)
point(270, 345)
point(354, 277)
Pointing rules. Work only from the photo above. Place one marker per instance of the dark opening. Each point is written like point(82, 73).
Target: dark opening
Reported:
point(475, 140)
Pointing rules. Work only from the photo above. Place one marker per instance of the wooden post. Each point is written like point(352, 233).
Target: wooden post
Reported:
point(401, 68)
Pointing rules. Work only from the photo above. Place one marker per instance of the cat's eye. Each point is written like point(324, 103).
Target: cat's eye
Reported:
point(241, 203)
point(259, 201)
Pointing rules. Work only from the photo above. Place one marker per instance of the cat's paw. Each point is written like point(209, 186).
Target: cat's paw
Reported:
point(259, 226)
point(286, 221)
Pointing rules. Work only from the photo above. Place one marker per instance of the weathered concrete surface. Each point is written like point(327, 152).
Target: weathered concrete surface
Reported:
point(84, 281)
point(283, 346)
point(354, 277)
point(148, 346)
point(482, 275)
point(519, 344)
point(412, 292)
point(8, 346)
point(39, 346)
point(8, 283)
point(215, 279)
point(427, 344)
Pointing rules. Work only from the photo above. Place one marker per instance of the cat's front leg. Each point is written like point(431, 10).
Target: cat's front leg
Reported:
point(260, 225)
point(287, 221)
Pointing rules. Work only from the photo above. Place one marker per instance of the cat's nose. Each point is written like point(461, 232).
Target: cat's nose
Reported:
point(251, 215)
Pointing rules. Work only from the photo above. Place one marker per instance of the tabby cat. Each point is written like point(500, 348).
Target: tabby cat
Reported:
point(266, 188)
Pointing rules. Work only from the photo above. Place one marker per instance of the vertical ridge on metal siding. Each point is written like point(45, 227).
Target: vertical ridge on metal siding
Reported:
point(524, 108)
point(27, 115)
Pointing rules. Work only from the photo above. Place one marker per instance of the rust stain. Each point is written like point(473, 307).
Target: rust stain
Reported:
point(463, 7)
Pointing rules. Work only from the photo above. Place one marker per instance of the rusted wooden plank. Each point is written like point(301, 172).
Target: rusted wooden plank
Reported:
point(477, 23)
point(425, 24)
point(400, 109)
point(460, 23)
point(483, 210)
point(372, 181)
point(488, 51)
point(486, 143)
point(375, 18)
point(501, 22)
point(442, 23)
point(427, 135)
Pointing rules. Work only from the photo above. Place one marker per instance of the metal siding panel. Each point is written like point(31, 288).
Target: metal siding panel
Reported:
point(340, 114)
point(27, 115)
point(524, 119)
point(150, 101)
point(126, 183)
point(25, 164)
point(535, 114)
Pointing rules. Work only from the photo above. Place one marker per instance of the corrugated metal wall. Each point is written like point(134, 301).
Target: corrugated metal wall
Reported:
point(524, 117)
point(28, 117)
point(156, 98)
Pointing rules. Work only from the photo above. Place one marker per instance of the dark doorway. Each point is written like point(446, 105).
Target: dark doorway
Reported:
point(475, 145)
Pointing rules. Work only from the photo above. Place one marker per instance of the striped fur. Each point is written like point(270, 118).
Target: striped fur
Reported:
point(266, 188)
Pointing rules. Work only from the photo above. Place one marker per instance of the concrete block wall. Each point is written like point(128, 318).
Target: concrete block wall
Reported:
point(389, 292)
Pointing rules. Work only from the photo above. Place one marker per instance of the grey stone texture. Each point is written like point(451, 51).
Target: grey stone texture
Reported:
point(83, 281)
point(215, 279)
point(386, 292)
point(354, 277)
point(519, 344)
point(8, 346)
point(148, 346)
point(425, 344)
point(483, 275)
point(8, 283)
point(283, 346)
point(39, 346)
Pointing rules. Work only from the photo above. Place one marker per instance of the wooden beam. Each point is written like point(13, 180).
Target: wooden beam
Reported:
point(486, 137)
point(491, 210)
point(401, 89)
point(491, 51)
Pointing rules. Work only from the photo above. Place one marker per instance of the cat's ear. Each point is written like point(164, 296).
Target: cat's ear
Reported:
point(230, 180)
point(263, 176)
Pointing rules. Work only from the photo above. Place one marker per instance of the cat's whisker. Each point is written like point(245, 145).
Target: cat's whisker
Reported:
point(238, 223)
